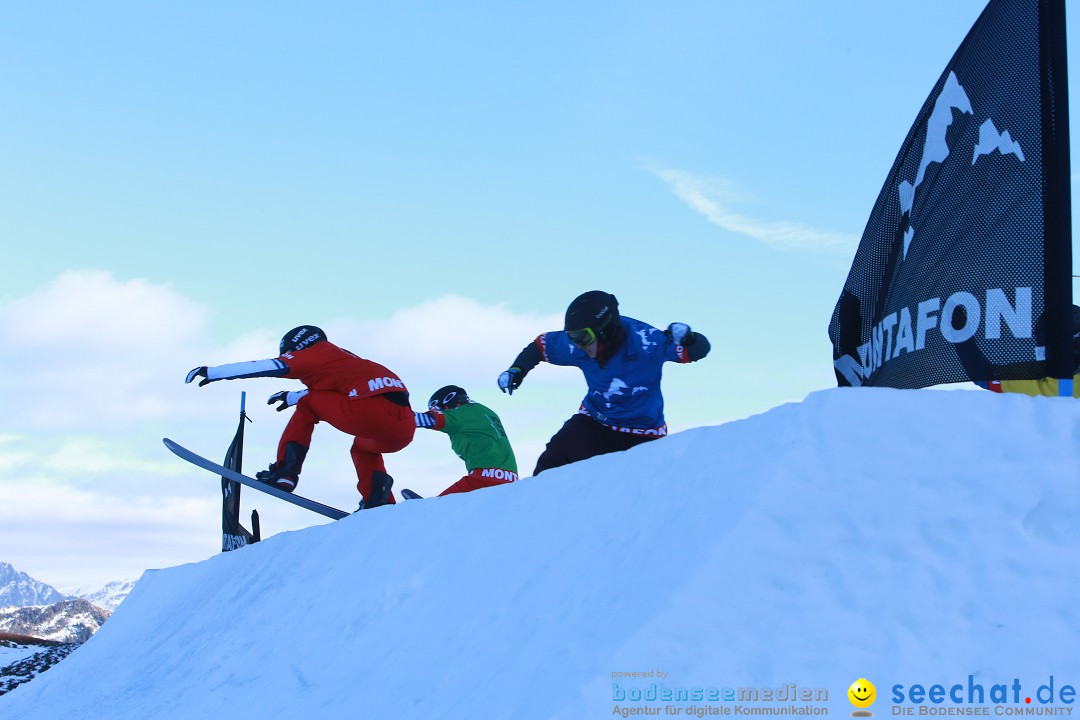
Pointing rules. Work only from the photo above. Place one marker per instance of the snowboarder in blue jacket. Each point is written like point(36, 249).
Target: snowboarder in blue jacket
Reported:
point(622, 360)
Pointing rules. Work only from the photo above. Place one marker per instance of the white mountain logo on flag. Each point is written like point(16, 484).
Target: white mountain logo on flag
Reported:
point(990, 140)
point(936, 149)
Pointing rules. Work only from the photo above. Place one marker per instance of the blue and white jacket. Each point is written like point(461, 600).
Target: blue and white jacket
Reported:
point(624, 393)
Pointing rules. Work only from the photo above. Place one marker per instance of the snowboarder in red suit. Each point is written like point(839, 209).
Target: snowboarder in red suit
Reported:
point(357, 396)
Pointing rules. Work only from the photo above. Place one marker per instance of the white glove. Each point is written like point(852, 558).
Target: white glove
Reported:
point(678, 332)
point(510, 380)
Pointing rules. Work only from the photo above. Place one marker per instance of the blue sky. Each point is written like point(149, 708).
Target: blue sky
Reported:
point(430, 182)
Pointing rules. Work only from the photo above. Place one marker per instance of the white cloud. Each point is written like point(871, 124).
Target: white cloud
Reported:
point(89, 351)
point(448, 340)
point(101, 314)
point(90, 456)
point(73, 536)
point(713, 197)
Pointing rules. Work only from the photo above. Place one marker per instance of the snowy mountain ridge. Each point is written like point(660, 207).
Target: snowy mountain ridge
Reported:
point(35, 638)
point(68, 621)
point(40, 626)
point(17, 589)
point(109, 596)
point(904, 537)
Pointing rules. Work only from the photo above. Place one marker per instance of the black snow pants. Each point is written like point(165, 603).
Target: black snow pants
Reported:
point(580, 438)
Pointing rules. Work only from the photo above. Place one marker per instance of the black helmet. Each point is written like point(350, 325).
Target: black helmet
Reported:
point(301, 337)
point(448, 397)
point(593, 316)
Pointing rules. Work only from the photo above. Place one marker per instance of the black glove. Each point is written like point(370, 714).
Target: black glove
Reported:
point(198, 372)
point(287, 398)
point(510, 380)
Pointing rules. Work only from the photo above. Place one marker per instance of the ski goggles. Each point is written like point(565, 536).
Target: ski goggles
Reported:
point(582, 338)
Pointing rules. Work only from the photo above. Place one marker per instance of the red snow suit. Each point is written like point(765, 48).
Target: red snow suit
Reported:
point(358, 397)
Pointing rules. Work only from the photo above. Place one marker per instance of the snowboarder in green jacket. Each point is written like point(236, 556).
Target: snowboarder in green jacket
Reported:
point(476, 436)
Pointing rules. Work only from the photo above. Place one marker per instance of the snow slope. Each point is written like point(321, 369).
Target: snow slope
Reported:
point(905, 537)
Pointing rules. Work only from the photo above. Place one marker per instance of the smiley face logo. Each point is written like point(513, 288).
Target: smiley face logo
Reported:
point(862, 693)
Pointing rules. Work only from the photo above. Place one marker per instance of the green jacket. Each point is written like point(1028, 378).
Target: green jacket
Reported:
point(477, 437)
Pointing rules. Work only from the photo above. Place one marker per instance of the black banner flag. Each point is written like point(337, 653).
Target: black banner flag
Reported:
point(233, 534)
point(969, 246)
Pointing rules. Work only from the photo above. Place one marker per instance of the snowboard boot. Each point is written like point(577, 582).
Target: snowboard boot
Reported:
point(381, 483)
point(285, 475)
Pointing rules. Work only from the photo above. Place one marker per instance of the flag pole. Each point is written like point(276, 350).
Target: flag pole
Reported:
point(1057, 211)
point(233, 534)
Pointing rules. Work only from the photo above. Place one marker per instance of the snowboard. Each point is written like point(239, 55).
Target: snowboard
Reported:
point(410, 495)
point(199, 460)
